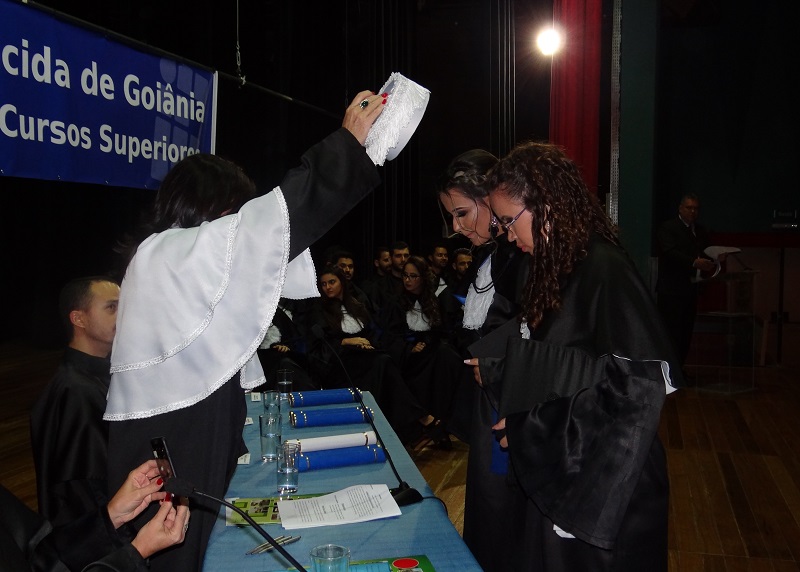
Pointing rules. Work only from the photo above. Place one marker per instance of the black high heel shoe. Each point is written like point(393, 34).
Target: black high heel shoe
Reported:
point(437, 434)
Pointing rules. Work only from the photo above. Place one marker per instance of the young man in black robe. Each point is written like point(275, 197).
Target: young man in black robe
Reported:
point(68, 435)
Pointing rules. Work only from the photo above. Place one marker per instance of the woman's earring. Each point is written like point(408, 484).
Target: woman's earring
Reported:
point(493, 224)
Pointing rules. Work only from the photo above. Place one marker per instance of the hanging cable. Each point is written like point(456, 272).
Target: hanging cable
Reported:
point(239, 75)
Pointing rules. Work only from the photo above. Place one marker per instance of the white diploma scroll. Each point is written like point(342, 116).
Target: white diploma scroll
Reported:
point(335, 441)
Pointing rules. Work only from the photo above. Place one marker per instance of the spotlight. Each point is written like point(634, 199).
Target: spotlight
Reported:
point(548, 41)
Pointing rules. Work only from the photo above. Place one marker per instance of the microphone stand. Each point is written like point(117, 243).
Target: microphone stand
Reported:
point(182, 488)
point(403, 494)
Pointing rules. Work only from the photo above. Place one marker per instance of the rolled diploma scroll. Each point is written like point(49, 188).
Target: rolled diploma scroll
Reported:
point(335, 441)
point(322, 397)
point(329, 416)
point(340, 458)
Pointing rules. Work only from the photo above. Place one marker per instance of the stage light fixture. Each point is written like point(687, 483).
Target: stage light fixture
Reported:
point(549, 41)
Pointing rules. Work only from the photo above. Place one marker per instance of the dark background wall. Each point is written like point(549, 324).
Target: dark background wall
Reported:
point(727, 115)
point(725, 118)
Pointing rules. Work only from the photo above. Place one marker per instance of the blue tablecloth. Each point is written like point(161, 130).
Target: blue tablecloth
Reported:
point(423, 528)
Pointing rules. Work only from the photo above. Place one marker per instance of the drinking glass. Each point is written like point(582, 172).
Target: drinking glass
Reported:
point(285, 377)
point(288, 474)
point(271, 401)
point(330, 558)
point(270, 427)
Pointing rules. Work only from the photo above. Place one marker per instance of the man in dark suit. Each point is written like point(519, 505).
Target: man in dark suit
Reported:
point(681, 261)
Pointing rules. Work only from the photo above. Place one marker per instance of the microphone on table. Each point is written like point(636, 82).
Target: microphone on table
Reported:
point(403, 494)
point(183, 488)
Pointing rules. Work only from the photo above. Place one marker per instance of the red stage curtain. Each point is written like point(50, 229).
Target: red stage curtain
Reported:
point(575, 88)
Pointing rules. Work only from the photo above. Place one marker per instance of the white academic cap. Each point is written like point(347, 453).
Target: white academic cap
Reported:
point(396, 124)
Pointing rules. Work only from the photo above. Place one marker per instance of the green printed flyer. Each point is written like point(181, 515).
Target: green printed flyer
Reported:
point(261, 510)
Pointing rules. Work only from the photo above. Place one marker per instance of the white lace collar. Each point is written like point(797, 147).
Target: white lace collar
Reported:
point(196, 303)
point(416, 320)
point(350, 324)
point(479, 297)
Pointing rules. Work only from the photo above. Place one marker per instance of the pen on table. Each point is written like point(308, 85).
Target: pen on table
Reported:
point(277, 539)
point(284, 542)
point(267, 547)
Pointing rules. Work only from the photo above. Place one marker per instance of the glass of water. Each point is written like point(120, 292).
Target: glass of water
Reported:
point(270, 427)
point(285, 378)
point(288, 474)
point(271, 401)
point(330, 558)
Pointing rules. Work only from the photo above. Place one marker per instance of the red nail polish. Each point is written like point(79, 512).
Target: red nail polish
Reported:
point(385, 94)
point(168, 498)
point(160, 481)
point(383, 102)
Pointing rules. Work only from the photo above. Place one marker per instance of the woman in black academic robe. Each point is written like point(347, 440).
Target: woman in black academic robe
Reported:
point(348, 330)
point(583, 381)
point(284, 346)
point(489, 293)
point(419, 343)
point(194, 231)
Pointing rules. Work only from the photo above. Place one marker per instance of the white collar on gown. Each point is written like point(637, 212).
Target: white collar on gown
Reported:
point(479, 297)
point(195, 305)
point(416, 320)
point(350, 324)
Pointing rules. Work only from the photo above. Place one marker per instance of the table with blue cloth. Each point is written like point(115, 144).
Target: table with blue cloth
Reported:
point(423, 528)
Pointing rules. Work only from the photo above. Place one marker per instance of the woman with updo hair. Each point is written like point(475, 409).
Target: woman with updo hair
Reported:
point(489, 293)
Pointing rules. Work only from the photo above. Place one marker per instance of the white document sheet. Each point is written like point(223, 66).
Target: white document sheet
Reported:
point(354, 504)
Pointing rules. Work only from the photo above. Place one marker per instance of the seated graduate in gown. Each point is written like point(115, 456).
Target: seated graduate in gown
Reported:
point(349, 330)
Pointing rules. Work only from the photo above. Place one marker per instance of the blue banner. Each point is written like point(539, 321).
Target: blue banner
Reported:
point(78, 106)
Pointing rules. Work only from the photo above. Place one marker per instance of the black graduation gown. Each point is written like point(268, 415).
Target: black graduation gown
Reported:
point(205, 439)
point(509, 273)
point(581, 425)
point(432, 374)
point(382, 294)
point(476, 412)
point(296, 359)
point(28, 543)
point(69, 437)
point(69, 444)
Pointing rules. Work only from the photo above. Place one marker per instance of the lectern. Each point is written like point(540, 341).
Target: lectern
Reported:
point(729, 342)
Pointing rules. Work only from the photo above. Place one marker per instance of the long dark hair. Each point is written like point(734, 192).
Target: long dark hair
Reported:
point(427, 296)
point(197, 189)
point(549, 185)
point(466, 175)
point(332, 307)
